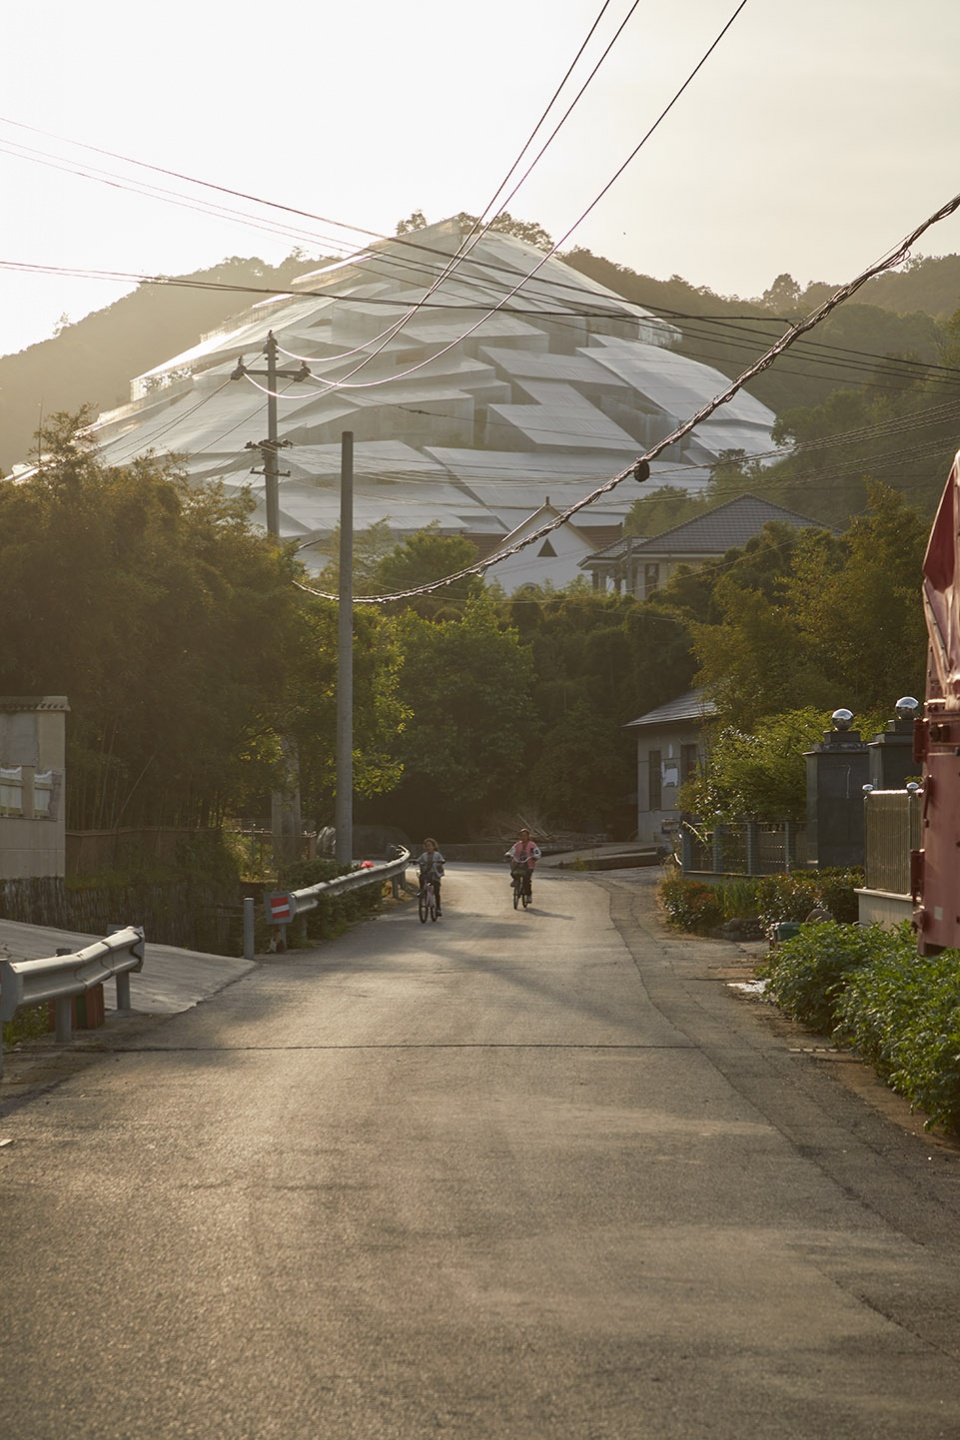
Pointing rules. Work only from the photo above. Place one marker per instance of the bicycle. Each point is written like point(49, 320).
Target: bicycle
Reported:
point(522, 885)
point(427, 900)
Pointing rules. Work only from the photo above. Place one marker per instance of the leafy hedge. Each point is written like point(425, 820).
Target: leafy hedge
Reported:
point(696, 906)
point(806, 975)
point(869, 988)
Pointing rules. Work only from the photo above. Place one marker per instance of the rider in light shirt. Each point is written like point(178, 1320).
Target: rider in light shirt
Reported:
point(525, 852)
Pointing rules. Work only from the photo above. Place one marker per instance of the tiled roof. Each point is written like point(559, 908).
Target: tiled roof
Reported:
point(713, 533)
point(695, 705)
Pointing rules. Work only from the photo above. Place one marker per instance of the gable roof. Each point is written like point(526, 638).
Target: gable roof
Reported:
point(716, 531)
point(695, 705)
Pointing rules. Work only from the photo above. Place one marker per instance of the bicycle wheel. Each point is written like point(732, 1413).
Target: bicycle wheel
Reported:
point(433, 911)
point(517, 887)
point(424, 906)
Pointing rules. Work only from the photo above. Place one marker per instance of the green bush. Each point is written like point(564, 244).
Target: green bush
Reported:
point(792, 896)
point(690, 905)
point(697, 907)
point(334, 913)
point(807, 974)
point(27, 1024)
point(903, 1015)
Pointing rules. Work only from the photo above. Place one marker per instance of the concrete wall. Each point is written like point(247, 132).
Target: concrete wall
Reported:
point(33, 743)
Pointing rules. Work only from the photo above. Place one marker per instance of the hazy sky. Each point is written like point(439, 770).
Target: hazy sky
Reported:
point(817, 134)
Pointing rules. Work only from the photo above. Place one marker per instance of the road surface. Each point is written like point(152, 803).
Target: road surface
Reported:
point(539, 1176)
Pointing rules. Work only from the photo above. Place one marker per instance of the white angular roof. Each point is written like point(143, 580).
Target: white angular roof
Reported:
point(459, 415)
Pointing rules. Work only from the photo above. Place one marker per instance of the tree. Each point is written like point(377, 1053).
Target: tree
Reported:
point(858, 604)
point(178, 633)
point(753, 658)
point(660, 509)
point(466, 683)
point(416, 220)
point(528, 230)
point(370, 547)
point(783, 295)
point(423, 558)
point(581, 774)
point(760, 773)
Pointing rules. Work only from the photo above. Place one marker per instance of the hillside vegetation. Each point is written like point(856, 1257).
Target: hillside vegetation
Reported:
point(93, 361)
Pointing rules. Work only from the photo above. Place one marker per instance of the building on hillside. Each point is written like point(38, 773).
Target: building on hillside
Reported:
point(671, 745)
point(473, 386)
point(638, 565)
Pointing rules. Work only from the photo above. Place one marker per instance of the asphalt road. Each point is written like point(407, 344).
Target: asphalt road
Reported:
point(540, 1176)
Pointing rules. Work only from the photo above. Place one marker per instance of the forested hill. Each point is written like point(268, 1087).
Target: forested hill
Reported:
point(895, 315)
point(94, 360)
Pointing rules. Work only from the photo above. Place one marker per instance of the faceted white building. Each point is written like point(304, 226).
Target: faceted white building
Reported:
point(474, 388)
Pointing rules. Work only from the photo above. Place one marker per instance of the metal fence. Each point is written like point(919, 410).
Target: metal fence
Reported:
point(893, 827)
point(751, 847)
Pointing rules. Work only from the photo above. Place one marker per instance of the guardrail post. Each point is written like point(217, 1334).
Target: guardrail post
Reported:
point(248, 930)
point(63, 1012)
point(123, 991)
point(123, 981)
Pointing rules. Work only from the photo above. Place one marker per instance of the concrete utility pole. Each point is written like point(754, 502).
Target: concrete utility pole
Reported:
point(268, 448)
point(344, 806)
point(286, 823)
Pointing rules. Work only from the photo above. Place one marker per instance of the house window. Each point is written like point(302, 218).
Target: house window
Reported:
point(688, 763)
point(651, 579)
point(654, 790)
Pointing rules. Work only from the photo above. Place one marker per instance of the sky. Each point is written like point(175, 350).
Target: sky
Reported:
point(813, 138)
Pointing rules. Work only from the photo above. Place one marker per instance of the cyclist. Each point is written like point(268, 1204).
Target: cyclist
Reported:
point(524, 853)
point(430, 866)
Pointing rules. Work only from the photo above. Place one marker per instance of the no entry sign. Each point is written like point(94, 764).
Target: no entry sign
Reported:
point(281, 909)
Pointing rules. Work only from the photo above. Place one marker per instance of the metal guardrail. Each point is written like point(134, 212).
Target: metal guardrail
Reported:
point(25, 983)
point(284, 906)
point(371, 874)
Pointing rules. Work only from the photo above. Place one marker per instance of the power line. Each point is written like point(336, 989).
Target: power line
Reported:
point(642, 463)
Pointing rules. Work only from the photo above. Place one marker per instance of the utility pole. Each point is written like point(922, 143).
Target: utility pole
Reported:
point(285, 821)
point(270, 447)
point(344, 806)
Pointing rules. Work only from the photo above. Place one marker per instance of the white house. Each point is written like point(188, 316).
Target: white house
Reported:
point(553, 559)
point(670, 748)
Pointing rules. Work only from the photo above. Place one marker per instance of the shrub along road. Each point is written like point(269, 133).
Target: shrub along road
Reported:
point(535, 1175)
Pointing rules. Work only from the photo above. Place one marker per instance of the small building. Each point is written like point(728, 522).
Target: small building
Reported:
point(32, 820)
point(638, 565)
point(554, 559)
point(671, 744)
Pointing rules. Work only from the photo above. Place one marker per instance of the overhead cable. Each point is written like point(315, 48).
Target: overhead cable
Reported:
point(642, 463)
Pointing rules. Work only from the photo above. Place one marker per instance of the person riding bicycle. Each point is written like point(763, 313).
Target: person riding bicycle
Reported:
point(523, 856)
point(430, 866)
